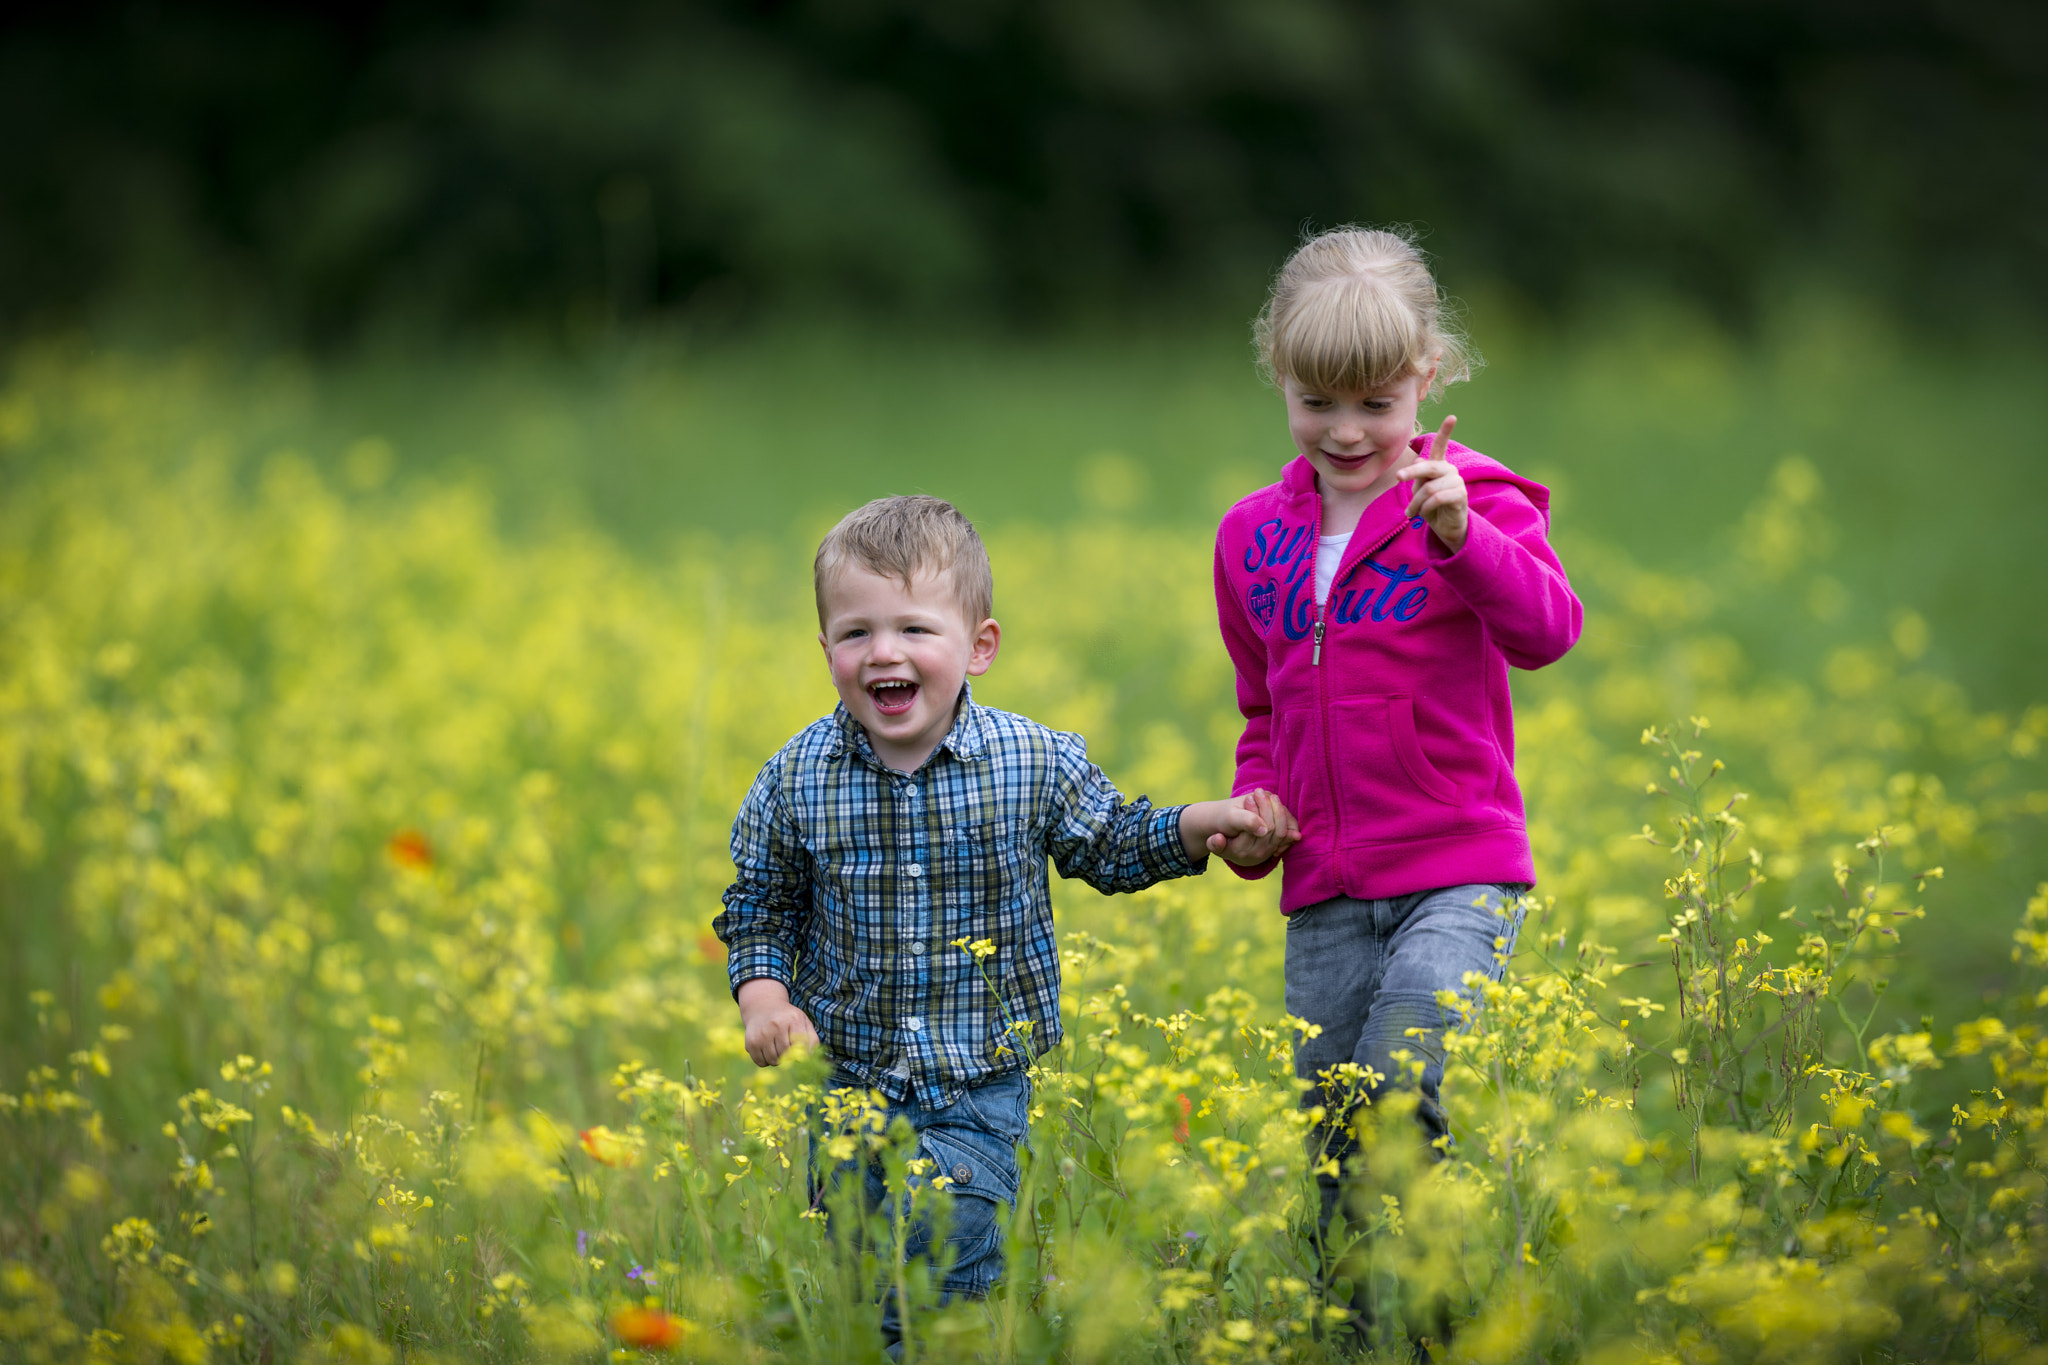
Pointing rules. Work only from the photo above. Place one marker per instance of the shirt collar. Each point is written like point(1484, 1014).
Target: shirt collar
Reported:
point(967, 739)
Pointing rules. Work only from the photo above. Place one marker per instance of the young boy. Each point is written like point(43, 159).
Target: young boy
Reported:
point(912, 817)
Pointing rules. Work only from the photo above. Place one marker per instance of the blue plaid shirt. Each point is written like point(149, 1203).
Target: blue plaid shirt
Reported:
point(854, 880)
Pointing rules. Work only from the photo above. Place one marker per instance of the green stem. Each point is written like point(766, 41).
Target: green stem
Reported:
point(249, 1173)
point(796, 1307)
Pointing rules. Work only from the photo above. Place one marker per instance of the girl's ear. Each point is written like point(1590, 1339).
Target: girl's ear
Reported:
point(988, 636)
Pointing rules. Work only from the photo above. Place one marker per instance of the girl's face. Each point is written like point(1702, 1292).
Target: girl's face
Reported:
point(1356, 441)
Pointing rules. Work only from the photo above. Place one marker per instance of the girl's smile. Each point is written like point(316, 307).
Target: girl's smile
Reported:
point(1357, 441)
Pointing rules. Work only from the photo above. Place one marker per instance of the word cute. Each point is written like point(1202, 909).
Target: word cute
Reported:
point(1292, 596)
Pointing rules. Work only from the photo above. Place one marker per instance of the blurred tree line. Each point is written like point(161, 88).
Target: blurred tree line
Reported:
point(328, 166)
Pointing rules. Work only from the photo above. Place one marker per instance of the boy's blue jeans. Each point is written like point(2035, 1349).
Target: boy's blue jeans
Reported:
point(1369, 971)
point(972, 1141)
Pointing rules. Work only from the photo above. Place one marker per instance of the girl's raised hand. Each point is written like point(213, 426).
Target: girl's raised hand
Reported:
point(1439, 491)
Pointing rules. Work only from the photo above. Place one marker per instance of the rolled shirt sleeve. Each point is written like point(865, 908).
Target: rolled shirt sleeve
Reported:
point(1112, 844)
point(768, 906)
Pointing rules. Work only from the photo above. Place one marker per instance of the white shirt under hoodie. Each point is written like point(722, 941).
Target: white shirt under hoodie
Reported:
point(1329, 554)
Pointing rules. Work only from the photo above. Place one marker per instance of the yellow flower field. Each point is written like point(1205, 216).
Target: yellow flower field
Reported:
point(357, 863)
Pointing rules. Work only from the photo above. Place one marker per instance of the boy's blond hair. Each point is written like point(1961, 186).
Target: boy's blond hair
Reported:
point(1354, 310)
point(902, 536)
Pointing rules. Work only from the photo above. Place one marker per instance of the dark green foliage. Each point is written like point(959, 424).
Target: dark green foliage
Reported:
point(326, 166)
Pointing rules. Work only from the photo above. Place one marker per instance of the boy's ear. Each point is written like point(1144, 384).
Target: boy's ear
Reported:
point(988, 637)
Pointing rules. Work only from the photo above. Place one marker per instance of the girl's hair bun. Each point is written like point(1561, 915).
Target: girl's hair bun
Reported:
point(1355, 309)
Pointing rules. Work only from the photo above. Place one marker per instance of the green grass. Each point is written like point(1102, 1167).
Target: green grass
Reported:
point(1654, 429)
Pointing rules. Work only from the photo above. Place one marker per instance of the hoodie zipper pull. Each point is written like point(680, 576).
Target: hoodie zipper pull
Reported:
point(1317, 657)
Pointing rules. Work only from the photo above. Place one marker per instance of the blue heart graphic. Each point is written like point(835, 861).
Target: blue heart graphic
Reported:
point(1261, 601)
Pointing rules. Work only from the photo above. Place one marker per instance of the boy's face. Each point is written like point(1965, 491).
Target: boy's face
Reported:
point(899, 656)
point(1356, 441)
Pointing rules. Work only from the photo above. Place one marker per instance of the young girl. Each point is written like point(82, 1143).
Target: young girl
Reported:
point(1372, 602)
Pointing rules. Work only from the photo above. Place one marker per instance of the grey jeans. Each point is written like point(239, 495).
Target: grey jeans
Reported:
point(1369, 971)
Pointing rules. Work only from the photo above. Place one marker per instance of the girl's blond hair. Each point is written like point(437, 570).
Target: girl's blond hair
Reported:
point(1355, 309)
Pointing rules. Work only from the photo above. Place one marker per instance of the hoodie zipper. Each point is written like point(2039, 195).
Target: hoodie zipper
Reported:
point(1323, 607)
point(1316, 659)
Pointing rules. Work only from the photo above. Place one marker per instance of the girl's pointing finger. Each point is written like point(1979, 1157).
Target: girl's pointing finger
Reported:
point(1441, 442)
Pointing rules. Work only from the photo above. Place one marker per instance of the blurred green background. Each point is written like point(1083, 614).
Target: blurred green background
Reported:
point(729, 268)
point(330, 171)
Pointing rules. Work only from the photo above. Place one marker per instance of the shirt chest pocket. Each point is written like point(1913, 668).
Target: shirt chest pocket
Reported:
point(983, 864)
point(854, 879)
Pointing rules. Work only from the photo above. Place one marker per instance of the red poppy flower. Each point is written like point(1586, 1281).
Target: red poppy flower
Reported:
point(409, 848)
point(711, 948)
point(1180, 1129)
point(607, 1147)
point(649, 1328)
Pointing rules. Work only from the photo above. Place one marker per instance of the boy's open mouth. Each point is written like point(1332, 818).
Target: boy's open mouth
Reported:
point(893, 696)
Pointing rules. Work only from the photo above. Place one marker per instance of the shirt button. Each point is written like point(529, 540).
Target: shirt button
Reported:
point(913, 869)
point(913, 1023)
point(917, 947)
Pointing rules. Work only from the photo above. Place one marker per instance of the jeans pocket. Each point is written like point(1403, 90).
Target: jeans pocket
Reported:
point(1507, 908)
point(976, 1164)
point(1001, 1106)
point(981, 1173)
point(1512, 894)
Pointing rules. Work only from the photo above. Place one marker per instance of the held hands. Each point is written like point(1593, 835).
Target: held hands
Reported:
point(1248, 830)
point(1439, 491)
point(773, 1025)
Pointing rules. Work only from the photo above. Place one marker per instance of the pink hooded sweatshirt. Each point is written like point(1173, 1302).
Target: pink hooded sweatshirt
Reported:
point(1382, 718)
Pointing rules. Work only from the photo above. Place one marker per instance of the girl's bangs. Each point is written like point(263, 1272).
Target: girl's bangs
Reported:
point(1348, 335)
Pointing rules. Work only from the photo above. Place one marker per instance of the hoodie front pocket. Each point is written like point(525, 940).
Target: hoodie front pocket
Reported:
point(1294, 767)
point(1388, 788)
